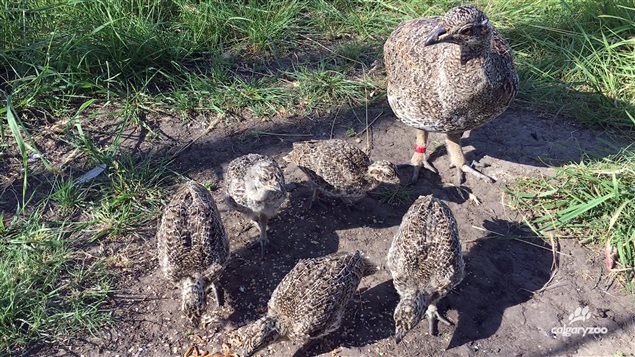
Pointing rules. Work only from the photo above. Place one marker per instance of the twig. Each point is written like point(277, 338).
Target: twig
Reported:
point(586, 240)
point(541, 247)
point(487, 231)
point(555, 262)
point(134, 297)
point(371, 124)
point(333, 52)
point(610, 283)
point(622, 269)
point(356, 116)
point(200, 339)
point(333, 123)
point(189, 143)
point(598, 281)
point(517, 239)
point(543, 289)
point(368, 145)
point(257, 132)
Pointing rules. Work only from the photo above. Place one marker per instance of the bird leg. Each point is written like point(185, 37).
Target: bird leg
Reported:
point(214, 293)
point(262, 227)
point(457, 159)
point(432, 314)
point(419, 158)
point(315, 199)
point(208, 319)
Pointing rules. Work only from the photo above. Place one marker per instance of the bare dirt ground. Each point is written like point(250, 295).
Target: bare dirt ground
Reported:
point(507, 304)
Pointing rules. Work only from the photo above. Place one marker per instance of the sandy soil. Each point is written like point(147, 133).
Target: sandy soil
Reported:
point(506, 305)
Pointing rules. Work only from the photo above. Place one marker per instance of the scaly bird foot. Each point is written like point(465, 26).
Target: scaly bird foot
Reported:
point(470, 196)
point(432, 314)
point(470, 170)
point(263, 244)
point(316, 201)
point(418, 160)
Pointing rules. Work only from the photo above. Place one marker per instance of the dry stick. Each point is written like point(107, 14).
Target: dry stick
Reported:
point(517, 239)
point(192, 352)
point(610, 283)
point(598, 281)
point(189, 143)
point(278, 134)
point(487, 231)
point(481, 238)
point(367, 129)
point(357, 117)
point(333, 52)
point(200, 339)
point(555, 262)
point(333, 123)
point(541, 247)
point(371, 124)
point(549, 288)
point(622, 269)
point(135, 297)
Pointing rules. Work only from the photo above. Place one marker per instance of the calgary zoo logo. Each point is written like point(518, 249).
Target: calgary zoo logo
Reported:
point(580, 314)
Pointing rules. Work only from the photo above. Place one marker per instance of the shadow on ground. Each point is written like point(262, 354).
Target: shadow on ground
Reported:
point(501, 272)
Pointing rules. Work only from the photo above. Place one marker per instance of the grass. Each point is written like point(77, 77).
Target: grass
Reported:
point(573, 56)
point(45, 293)
point(51, 285)
point(254, 59)
point(395, 196)
point(594, 200)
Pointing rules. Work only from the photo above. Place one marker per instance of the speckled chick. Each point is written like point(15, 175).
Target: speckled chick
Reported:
point(339, 169)
point(192, 246)
point(256, 187)
point(425, 261)
point(309, 302)
point(449, 74)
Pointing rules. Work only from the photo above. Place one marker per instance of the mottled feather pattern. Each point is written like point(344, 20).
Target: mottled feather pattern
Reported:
point(191, 237)
point(337, 168)
point(426, 252)
point(310, 301)
point(446, 87)
point(256, 185)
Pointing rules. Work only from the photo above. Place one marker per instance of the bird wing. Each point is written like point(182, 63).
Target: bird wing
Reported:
point(406, 43)
point(426, 240)
point(412, 69)
point(313, 294)
point(210, 238)
point(340, 163)
point(191, 237)
point(235, 177)
point(502, 57)
point(174, 235)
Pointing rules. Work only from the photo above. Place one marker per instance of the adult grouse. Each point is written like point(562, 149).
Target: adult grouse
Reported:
point(449, 74)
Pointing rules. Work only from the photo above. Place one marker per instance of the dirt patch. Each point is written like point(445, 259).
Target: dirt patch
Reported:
point(507, 304)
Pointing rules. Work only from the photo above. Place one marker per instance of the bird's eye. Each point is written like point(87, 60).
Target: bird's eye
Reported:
point(467, 31)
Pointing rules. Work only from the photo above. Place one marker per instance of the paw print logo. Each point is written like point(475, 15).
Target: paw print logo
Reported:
point(580, 314)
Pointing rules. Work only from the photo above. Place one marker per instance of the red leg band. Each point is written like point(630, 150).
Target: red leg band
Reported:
point(420, 149)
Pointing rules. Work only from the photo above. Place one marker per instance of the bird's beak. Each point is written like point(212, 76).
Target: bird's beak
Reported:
point(398, 339)
point(435, 36)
